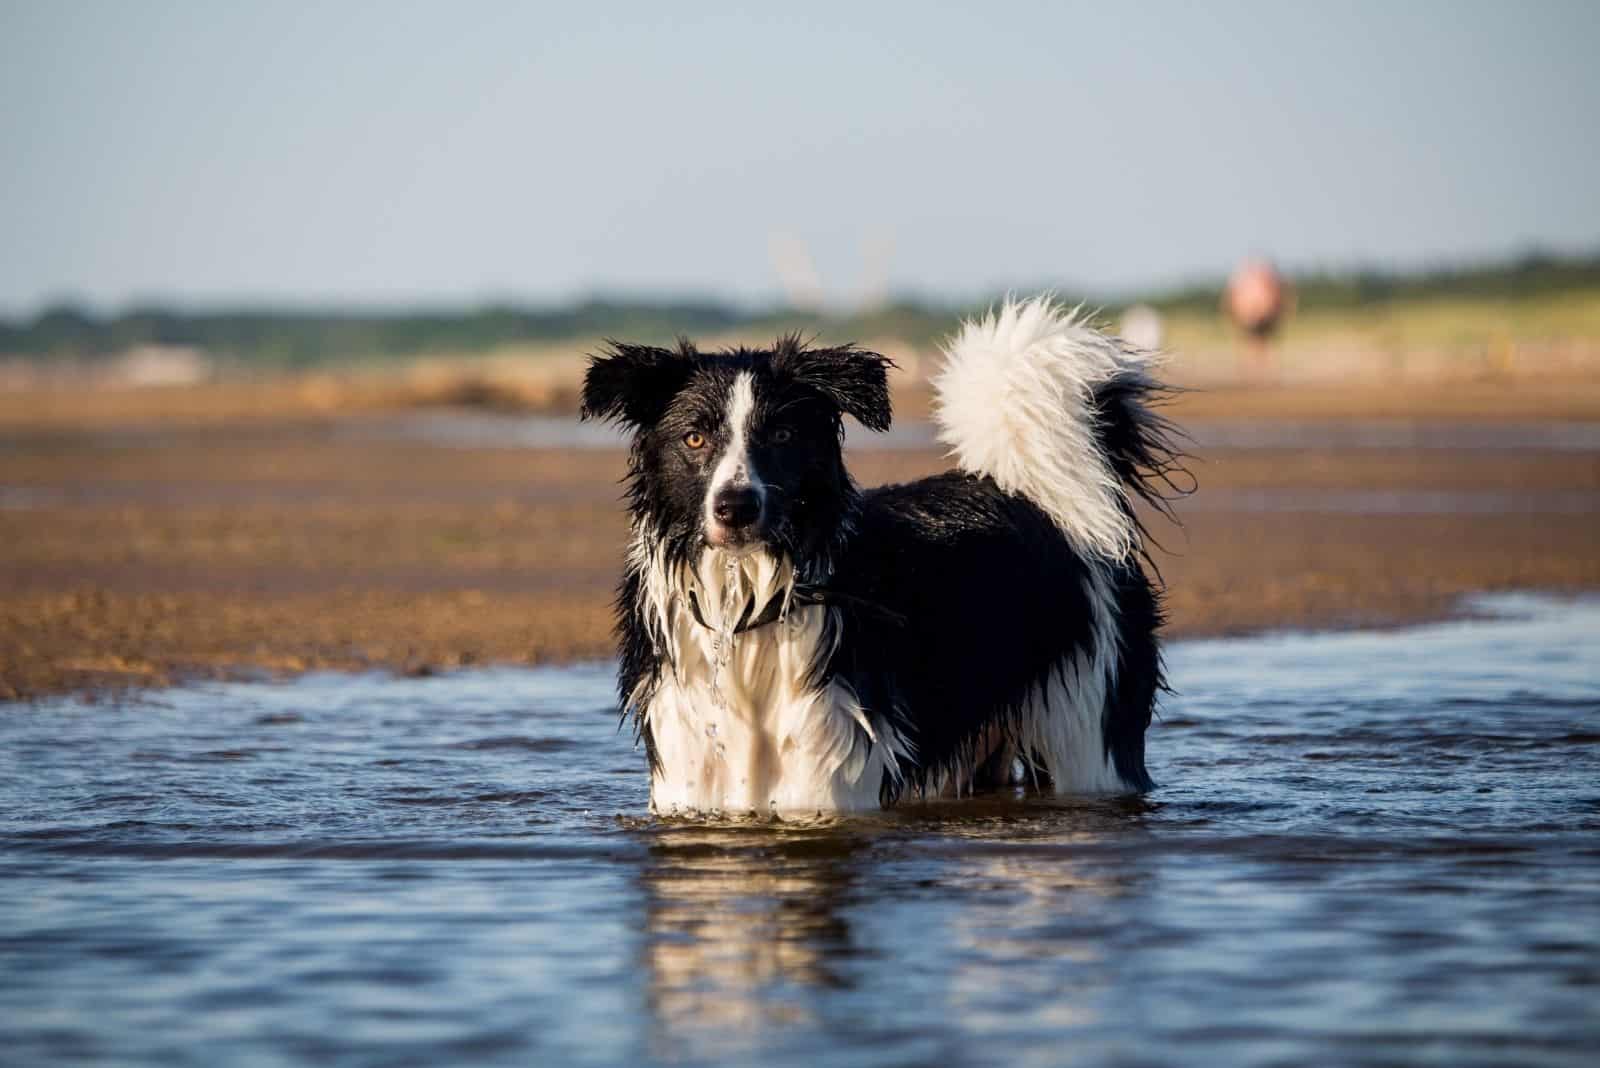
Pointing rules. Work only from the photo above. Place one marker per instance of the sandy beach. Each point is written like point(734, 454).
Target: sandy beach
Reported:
point(140, 550)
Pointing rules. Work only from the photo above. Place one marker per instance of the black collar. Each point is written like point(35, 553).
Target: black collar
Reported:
point(804, 596)
point(770, 614)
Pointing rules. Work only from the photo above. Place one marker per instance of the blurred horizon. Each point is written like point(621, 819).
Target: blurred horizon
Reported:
point(363, 159)
point(1468, 309)
point(1488, 275)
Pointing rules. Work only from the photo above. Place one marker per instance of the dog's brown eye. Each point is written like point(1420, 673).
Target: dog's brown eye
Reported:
point(694, 439)
point(782, 436)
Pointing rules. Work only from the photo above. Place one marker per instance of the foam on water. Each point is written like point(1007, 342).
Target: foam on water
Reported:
point(1366, 847)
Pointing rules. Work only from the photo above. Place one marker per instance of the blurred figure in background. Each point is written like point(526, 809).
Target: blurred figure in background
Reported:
point(1257, 300)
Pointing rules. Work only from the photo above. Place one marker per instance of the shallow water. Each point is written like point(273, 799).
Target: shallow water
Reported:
point(1367, 847)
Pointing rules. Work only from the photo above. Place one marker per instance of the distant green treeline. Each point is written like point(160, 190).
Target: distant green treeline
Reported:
point(296, 337)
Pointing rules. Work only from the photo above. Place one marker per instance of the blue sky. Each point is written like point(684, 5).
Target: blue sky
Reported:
point(389, 153)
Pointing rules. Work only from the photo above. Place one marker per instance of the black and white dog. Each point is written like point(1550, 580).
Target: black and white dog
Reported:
point(791, 643)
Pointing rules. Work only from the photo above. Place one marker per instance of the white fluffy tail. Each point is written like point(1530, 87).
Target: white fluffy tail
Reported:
point(1028, 395)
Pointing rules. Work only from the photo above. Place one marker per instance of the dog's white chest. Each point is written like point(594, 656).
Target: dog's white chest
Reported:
point(751, 736)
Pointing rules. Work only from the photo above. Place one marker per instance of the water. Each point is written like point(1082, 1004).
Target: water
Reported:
point(1367, 848)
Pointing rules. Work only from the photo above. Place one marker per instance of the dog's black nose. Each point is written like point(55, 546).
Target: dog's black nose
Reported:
point(736, 506)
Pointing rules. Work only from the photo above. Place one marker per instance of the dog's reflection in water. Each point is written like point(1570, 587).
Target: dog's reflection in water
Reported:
point(751, 927)
point(742, 922)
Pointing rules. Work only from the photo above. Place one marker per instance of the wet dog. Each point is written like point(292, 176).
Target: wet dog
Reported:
point(790, 643)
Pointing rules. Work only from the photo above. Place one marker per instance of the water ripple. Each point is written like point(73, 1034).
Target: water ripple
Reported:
point(1367, 848)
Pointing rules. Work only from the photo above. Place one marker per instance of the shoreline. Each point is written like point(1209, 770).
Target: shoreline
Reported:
point(101, 683)
point(280, 548)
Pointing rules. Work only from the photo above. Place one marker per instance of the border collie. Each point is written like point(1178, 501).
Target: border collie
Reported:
point(790, 643)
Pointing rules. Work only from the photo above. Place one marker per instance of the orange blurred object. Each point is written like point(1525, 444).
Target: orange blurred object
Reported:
point(1257, 298)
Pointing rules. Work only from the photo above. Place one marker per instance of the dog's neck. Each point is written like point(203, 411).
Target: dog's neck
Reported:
point(684, 582)
point(750, 720)
point(711, 590)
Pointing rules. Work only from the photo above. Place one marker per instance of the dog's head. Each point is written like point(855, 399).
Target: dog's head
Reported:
point(740, 450)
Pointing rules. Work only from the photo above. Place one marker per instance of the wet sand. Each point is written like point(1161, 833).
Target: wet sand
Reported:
point(137, 556)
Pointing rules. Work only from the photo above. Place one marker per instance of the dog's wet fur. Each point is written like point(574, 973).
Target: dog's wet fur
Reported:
point(791, 643)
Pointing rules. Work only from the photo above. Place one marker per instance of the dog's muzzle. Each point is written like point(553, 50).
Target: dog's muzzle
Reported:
point(736, 513)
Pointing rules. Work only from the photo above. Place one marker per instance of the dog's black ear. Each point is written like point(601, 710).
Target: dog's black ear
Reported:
point(855, 380)
point(633, 384)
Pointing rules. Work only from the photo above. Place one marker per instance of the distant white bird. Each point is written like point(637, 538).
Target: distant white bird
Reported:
point(1143, 328)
